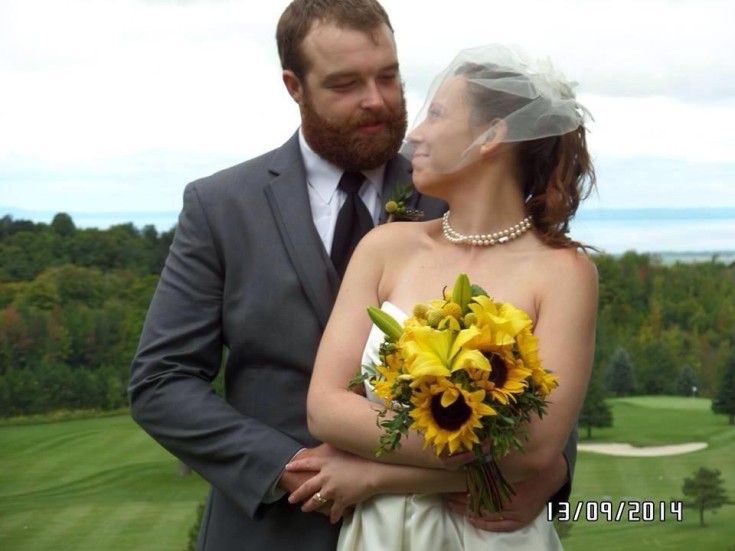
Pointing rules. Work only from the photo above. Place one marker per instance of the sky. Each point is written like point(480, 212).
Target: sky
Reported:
point(114, 106)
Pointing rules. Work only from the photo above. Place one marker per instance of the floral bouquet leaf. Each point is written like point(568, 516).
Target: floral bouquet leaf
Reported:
point(464, 372)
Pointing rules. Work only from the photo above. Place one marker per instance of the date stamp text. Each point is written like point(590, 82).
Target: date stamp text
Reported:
point(622, 511)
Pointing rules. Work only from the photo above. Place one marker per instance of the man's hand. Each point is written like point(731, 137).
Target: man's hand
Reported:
point(531, 497)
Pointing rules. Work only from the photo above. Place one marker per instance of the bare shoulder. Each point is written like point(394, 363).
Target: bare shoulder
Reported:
point(395, 236)
point(574, 262)
point(569, 269)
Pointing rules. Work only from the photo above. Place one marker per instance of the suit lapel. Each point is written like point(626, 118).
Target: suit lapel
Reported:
point(289, 201)
point(397, 174)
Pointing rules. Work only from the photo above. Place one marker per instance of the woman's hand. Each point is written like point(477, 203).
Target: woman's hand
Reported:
point(456, 461)
point(342, 479)
point(530, 499)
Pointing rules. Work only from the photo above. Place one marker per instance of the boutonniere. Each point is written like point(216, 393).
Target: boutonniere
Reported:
point(396, 205)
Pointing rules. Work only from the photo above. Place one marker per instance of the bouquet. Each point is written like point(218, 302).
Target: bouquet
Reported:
point(462, 371)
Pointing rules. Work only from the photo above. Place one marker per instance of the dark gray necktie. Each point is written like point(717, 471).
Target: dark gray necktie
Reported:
point(353, 221)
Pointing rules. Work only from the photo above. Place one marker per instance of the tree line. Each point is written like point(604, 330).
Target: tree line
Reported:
point(664, 329)
point(72, 304)
point(73, 300)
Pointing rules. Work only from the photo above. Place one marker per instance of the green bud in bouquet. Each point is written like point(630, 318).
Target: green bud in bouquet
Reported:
point(434, 316)
point(470, 319)
point(385, 323)
point(419, 311)
point(462, 292)
point(452, 309)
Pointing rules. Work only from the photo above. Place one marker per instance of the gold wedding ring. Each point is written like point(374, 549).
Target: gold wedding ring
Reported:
point(318, 497)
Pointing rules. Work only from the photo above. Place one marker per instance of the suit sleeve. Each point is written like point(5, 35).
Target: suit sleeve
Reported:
point(570, 454)
point(180, 354)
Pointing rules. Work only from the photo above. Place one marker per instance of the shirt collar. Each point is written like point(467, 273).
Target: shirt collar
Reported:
point(324, 176)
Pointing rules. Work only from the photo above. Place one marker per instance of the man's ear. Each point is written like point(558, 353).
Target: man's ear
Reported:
point(494, 136)
point(293, 85)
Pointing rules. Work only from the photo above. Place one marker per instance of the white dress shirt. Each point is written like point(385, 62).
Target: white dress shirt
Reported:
point(322, 178)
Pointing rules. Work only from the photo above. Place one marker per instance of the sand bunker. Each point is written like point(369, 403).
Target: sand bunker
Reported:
point(648, 451)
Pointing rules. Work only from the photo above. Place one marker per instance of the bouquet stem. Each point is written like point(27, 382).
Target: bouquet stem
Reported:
point(487, 488)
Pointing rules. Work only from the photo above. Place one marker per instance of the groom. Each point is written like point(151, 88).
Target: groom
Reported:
point(250, 273)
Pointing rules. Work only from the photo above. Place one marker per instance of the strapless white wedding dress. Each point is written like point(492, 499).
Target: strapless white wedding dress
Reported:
point(421, 522)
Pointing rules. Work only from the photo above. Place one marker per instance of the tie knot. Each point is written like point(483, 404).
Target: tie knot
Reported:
point(350, 182)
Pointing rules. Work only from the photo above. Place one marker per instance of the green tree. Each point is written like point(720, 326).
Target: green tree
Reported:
point(620, 377)
point(706, 490)
point(687, 381)
point(724, 401)
point(656, 367)
point(63, 225)
point(595, 412)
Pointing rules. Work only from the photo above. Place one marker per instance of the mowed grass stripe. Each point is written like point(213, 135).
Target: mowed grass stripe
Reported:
point(598, 476)
point(129, 524)
point(166, 527)
point(18, 527)
point(678, 403)
point(652, 420)
point(105, 471)
point(111, 441)
point(644, 425)
point(718, 535)
point(57, 528)
point(150, 482)
point(132, 500)
point(127, 481)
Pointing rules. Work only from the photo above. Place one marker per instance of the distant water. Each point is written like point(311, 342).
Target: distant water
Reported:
point(702, 231)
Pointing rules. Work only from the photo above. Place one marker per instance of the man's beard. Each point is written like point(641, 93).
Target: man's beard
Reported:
point(342, 143)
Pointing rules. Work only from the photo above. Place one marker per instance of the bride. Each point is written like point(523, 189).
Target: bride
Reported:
point(502, 141)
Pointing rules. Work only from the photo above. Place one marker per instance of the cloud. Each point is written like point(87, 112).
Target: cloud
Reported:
point(632, 48)
point(152, 180)
point(661, 127)
point(123, 102)
point(662, 183)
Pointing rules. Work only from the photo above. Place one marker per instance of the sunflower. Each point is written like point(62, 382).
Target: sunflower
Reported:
point(506, 378)
point(543, 381)
point(383, 386)
point(448, 415)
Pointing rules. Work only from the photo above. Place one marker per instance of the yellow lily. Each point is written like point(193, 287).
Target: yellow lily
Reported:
point(430, 352)
point(504, 321)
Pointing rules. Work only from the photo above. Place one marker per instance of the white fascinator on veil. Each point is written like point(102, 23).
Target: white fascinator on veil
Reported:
point(528, 96)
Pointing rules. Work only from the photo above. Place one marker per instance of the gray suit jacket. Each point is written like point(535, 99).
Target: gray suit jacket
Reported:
point(246, 272)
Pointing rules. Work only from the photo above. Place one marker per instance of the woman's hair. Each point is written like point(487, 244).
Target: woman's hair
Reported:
point(298, 18)
point(556, 171)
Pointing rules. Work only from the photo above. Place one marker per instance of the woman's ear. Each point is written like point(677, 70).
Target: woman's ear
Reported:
point(293, 85)
point(494, 136)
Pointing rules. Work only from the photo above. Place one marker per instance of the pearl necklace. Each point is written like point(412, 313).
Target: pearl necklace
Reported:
point(485, 239)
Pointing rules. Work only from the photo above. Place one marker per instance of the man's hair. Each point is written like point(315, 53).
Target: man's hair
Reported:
point(299, 17)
